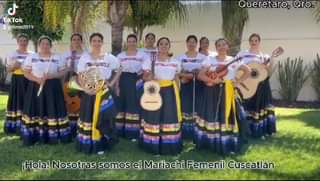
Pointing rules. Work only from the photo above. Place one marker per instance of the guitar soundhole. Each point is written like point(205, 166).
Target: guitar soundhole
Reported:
point(254, 73)
point(152, 90)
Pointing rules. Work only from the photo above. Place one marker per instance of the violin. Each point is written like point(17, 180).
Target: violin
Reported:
point(220, 71)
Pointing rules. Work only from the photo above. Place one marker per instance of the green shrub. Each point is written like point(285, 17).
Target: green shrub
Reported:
point(3, 72)
point(316, 76)
point(292, 75)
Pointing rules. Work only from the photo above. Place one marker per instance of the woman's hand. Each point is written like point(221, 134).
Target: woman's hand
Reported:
point(236, 83)
point(147, 76)
point(212, 82)
point(217, 80)
point(14, 66)
point(40, 81)
point(91, 92)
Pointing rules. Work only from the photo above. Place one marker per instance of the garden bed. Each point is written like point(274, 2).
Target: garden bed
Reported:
point(296, 104)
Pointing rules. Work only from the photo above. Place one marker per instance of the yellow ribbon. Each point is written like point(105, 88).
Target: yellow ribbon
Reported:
point(230, 103)
point(18, 71)
point(167, 83)
point(95, 134)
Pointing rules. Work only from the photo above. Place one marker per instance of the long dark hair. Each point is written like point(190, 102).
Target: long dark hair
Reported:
point(44, 37)
point(165, 38)
point(255, 35)
point(76, 34)
point(96, 34)
point(221, 39)
point(201, 39)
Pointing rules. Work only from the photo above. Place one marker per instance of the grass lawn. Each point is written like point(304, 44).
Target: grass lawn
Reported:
point(295, 150)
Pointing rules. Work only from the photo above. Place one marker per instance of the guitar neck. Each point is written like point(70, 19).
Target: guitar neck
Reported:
point(227, 65)
point(267, 61)
point(153, 62)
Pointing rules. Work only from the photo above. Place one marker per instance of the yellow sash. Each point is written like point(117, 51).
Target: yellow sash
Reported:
point(167, 83)
point(95, 134)
point(230, 103)
point(18, 71)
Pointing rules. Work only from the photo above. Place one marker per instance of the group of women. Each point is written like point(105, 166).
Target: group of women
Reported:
point(196, 106)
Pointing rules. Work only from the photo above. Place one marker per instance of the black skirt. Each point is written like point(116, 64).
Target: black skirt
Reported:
point(160, 130)
point(128, 118)
point(188, 114)
point(72, 116)
point(106, 124)
point(44, 116)
point(15, 103)
point(216, 126)
point(243, 123)
point(261, 115)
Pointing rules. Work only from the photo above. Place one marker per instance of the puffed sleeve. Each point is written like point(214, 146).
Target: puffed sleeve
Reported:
point(206, 62)
point(179, 66)
point(82, 62)
point(114, 62)
point(62, 63)
point(146, 64)
point(27, 65)
point(10, 59)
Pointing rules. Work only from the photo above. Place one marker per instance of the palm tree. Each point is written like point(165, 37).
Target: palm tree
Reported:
point(117, 11)
point(153, 12)
point(82, 14)
point(234, 19)
point(316, 11)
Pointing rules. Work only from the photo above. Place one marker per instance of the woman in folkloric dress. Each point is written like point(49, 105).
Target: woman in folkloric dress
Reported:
point(128, 118)
point(72, 57)
point(96, 126)
point(44, 115)
point(161, 129)
point(191, 63)
point(217, 125)
point(18, 85)
point(261, 115)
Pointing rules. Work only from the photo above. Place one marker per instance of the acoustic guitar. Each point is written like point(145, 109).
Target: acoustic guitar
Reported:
point(258, 74)
point(151, 99)
point(72, 99)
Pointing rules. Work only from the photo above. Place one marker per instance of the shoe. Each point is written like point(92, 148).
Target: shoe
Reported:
point(100, 152)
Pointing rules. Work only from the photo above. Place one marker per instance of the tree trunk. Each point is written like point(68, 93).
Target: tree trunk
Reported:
point(117, 11)
point(35, 44)
point(235, 43)
point(234, 19)
point(80, 13)
point(140, 32)
point(117, 31)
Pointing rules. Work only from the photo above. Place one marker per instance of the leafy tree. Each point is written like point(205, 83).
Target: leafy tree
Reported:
point(31, 13)
point(146, 13)
point(234, 19)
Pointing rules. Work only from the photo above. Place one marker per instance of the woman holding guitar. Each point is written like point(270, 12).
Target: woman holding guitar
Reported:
point(190, 86)
point(72, 100)
point(216, 126)
point(44, 111)
point(18, 86)
point(96, 126)
point(128, 118)
point(161, 129)
point(261, 114)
